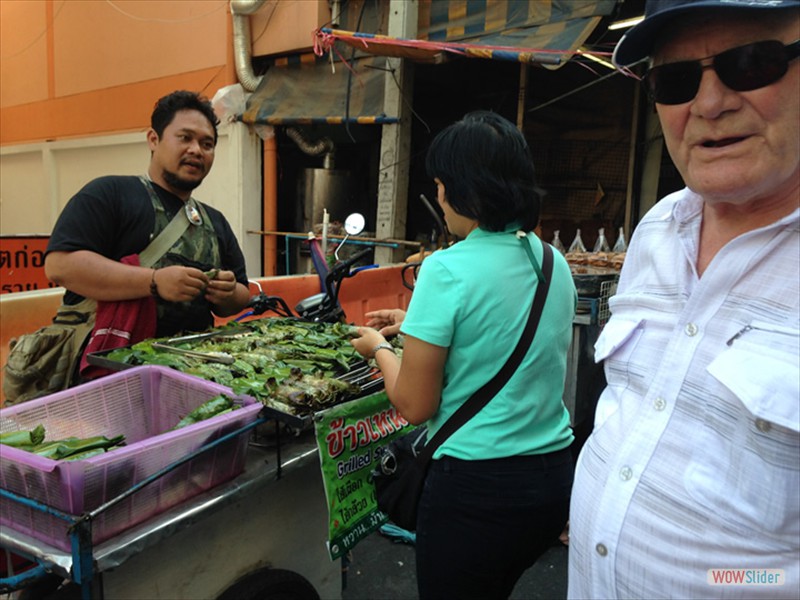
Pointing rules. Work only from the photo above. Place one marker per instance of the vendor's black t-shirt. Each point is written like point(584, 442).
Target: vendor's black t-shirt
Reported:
point(113, 216)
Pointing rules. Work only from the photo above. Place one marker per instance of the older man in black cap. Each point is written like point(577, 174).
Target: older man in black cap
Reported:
point(689, 485)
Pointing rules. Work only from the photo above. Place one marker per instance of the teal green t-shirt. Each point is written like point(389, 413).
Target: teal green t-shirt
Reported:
point(474, 298)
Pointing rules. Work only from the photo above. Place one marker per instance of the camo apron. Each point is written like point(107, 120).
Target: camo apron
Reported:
point(197, 247)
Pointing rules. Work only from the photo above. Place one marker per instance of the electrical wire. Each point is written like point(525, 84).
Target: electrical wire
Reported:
point(350, 80)
point(38, 37)
point(575, 91)
point(274, 5)
point(222, 5)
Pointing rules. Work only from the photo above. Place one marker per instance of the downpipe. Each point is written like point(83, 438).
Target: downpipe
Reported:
point(242, 43)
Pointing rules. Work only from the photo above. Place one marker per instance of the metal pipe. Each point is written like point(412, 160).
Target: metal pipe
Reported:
point(13, 583)
point(321, 146)
point(171, 467)
point(242, 44)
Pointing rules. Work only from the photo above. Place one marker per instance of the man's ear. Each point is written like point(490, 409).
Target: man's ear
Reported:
point(152, 139)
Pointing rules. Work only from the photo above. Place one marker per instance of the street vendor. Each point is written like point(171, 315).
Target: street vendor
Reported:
point(117, 216)
point(138, 256)
point(496, 494)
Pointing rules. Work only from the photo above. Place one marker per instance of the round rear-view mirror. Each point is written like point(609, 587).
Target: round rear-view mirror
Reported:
point(354, 224)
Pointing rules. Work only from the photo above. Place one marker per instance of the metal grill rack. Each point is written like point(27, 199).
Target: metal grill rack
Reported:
point(607, 289)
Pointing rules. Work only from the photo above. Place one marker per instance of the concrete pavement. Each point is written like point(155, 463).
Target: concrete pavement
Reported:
point(382, 569)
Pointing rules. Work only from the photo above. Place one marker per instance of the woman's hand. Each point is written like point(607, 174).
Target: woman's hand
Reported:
point(414, 385)
point(367, 340)
point(386, 321)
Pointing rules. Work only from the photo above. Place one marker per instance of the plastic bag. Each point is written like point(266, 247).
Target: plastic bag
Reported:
point(620, 245)
point(577, 243)
point(557, 242)
point(601, 245)
point(229, 102)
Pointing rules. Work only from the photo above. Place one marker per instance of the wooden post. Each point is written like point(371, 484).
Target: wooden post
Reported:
point(396, 138)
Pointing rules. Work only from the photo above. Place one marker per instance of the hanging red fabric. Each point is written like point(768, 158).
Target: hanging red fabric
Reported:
point(119, 324)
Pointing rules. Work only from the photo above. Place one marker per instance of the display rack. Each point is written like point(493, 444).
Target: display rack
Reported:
point(607, 289)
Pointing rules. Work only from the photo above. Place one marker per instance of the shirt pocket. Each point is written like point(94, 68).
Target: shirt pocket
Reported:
point(616, 344)
point(768, 385)
point(744, 464)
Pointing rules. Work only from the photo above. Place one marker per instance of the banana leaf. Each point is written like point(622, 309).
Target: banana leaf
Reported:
point(284, 363)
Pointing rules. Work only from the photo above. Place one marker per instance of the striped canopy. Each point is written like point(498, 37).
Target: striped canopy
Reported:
point(327, 89)
point(548, 32)
point(317, 92)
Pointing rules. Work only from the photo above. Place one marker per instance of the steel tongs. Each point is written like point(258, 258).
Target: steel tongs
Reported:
point(220, 357)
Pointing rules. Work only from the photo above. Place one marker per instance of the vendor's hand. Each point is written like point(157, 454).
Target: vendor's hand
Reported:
point(220, 289)
point(386, 321)
point(367, 340)
point(179, 284)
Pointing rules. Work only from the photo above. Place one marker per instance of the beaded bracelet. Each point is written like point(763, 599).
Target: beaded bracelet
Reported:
point(153, 286)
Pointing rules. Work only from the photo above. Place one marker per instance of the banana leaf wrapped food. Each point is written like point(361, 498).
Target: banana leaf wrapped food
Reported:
point(23, 438)
point(290, 365)
point(71, 448)
point(218, 405)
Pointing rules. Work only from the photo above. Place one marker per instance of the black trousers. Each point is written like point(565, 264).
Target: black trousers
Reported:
point(481, 524)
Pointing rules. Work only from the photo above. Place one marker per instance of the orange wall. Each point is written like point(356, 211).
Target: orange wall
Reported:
point(85, 67)
point(285, 26)
point(72, 68)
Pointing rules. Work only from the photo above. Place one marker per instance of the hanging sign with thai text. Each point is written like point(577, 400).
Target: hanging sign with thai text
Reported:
point(351, 437)
point(22, 263)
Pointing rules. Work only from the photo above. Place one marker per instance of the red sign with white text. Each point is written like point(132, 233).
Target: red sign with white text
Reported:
point(22, 263)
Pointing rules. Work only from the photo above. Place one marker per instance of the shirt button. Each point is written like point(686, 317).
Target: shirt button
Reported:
point(691, 329)
point(660, 403)
point(625, 473)
point(763, 426)
point(601, 549)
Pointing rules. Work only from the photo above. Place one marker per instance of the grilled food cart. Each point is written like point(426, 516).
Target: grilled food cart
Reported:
point(127, 518)
point(260, 532)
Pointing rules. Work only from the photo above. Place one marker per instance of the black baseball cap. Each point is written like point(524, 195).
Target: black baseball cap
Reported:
point(637, 43)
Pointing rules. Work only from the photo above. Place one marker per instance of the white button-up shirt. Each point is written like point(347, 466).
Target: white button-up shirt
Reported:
point(694, 462)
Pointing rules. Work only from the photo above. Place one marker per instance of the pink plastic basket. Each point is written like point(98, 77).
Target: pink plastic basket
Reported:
point(142, 403)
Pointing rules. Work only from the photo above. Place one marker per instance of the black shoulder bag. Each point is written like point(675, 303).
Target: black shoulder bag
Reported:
point(403, 466)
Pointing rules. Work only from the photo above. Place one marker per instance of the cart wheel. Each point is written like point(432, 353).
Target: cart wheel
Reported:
point(51, 588)
point(272, 584)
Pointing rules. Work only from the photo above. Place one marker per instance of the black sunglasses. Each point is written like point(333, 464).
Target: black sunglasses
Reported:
point(742, 69)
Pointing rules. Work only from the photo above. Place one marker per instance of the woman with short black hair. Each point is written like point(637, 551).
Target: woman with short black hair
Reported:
point(497, 490)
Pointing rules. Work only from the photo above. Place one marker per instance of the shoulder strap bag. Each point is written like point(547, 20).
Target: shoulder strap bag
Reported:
point(167, 237)
point(403, 466)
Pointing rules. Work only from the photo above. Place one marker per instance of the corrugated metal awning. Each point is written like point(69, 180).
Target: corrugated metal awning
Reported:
point(315, 91)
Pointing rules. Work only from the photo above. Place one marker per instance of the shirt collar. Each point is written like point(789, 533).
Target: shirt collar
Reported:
point(480, 232)
point(691, 206)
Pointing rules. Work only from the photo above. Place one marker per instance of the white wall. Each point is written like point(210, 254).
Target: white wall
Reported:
point(37, 180)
